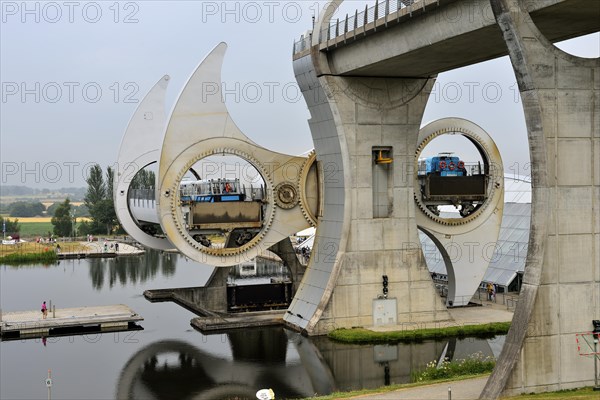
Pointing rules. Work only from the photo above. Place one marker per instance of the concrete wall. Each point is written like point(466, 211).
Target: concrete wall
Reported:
point(352, 117)
point(561, 286)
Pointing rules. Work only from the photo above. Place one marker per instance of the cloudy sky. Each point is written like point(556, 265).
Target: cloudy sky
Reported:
point(73, 72)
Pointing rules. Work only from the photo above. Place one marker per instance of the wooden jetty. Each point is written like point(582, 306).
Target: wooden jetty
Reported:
point(30, 324)
point(77, 256)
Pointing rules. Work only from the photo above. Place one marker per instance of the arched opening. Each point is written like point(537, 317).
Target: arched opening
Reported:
point(222, 201)
point(453, 175)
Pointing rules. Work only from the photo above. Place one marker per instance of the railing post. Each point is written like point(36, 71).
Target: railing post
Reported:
point(355, 22)
point(337, 28)
point(387, 11)
point(376, 16)
point(345, 28)
point(366, 19)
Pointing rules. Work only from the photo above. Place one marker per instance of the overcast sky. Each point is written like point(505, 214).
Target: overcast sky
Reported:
point(73, 72)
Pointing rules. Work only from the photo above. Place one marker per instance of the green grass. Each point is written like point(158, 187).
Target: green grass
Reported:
point(365, 336)
point(32, 229)
point(473, 365)
point(390, 388)
point(44, 257)
point(576, 394)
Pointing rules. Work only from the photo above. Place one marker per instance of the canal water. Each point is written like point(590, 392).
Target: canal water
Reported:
point(168, 358)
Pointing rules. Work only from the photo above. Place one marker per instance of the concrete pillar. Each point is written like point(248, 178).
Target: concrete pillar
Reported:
point(367, 228)
point(285, 251)
point(560, 295)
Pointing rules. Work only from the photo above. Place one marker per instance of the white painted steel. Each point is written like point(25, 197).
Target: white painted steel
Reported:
point(140, 147)
point(466, 244)
point(200, 126)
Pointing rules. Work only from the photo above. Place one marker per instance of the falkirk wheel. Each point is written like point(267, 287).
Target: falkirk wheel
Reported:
point(225, 220)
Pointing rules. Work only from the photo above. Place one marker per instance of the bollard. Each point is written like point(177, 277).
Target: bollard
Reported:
point(53, 311)
point(449, 393)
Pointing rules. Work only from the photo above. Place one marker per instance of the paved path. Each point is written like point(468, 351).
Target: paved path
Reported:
point(468, 389)
point(124, 249)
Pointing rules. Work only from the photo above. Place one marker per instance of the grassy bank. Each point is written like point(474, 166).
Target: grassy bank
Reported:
point(386, 389)
point(365, 336)
point(577, 394)
point(36, 252)
point(475, 364)
point(44, 257)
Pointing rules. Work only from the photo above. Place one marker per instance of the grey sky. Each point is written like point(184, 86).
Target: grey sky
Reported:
point(61, 57)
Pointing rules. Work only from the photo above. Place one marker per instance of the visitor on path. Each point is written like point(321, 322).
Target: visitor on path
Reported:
point(490, 290)
point(57, 248)
point(44, 310)
point(116, 247)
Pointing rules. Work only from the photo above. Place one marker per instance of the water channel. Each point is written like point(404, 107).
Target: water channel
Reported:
point(168, 358)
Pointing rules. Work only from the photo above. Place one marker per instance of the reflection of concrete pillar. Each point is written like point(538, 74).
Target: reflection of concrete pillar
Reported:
point(560, 95)
point(367, 228)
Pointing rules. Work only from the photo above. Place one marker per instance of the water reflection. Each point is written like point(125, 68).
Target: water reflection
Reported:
point(292, 365)
point(134, 269)
point(258, 270)
point(178, 369)
point(359, 367)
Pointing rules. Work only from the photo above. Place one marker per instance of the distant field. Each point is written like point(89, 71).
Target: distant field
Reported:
point(30, 229)
point(38, 226)
point(26, 220)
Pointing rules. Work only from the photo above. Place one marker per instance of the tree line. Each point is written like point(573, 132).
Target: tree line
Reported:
point(25, 209)
point(99, 202)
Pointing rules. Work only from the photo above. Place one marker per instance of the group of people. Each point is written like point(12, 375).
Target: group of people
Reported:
point(43, 240)
point(303, 251)
point(113, 246)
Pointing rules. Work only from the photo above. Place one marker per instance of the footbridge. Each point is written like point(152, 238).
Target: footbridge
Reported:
point(366, 80)
point(406, 38)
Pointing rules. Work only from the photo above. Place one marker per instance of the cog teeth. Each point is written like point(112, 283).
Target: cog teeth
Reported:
point(308, 216)
point(491, 188)
point(267, 223)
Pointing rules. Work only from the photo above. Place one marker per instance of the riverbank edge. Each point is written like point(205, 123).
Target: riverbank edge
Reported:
point(366, 336)
point(46, 257)
point(579, 394)
point(391, 388)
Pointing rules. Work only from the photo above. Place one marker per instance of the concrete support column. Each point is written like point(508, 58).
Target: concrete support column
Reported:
point(561, 286)
point(285, 251)
point(367, 228)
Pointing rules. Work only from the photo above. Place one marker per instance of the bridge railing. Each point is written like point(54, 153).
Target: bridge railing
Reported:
point(340, 28)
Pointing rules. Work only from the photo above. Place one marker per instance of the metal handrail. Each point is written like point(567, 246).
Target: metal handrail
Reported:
point(340, 28)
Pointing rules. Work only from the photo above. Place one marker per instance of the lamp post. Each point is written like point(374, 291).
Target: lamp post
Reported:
point(73, 224)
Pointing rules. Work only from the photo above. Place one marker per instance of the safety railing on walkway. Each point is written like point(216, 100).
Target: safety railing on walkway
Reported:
point(340, 28)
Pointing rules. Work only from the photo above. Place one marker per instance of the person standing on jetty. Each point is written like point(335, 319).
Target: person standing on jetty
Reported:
point(44, 310)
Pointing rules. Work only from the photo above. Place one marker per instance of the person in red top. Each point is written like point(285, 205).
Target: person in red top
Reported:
point(44, 310)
